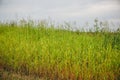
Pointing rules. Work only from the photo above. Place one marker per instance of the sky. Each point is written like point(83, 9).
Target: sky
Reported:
point(81, 11)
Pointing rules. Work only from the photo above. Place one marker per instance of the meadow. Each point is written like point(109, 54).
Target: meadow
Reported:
point(59, 54)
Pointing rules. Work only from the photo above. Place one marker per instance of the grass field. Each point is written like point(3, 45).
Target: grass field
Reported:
point(57, 54)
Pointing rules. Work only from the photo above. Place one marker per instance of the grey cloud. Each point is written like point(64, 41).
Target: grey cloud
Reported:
point(1, 2)
point(61, 9)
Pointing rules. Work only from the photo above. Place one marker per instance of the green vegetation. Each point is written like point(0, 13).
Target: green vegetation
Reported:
point(57, 54)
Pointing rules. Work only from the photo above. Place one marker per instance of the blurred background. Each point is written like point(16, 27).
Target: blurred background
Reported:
point(79, 12)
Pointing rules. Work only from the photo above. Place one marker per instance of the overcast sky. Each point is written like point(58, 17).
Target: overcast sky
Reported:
point(61, 10)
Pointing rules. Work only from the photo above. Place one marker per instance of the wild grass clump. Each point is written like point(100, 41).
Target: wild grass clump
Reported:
point(57, 54)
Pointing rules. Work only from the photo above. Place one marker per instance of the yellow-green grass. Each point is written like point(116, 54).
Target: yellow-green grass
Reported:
point(56, 54)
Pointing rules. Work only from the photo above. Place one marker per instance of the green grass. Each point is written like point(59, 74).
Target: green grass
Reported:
point(56, 54)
